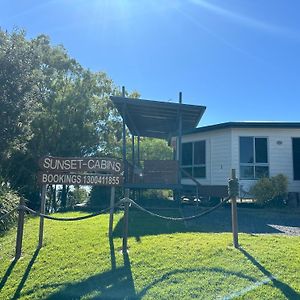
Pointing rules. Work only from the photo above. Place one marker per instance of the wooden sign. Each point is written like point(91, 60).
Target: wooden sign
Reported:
point(84, 164)
point(80, 171)
point(80, 179)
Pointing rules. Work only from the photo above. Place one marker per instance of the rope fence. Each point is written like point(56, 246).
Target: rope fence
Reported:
point(133, 203)
point(118, 204)
point(68, 219)
point(125, 203)
point(9, 213)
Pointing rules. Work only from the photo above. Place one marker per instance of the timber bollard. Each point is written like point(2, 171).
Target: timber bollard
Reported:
point(125, 229)
point(43, 203)
point(233, 193)
point(20, 229)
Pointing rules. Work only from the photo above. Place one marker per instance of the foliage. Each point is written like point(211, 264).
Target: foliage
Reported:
point(270, 191)
point(19, 90)
point(100, 196)
point(78, 195)
point(78, 261)
point(50, 105)
point(150, 149)
point(151, 194)
point(155, 149)
point(8, 201)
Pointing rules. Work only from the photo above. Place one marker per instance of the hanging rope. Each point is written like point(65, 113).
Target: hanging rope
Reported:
point(124, 200)
point(68, 219)
point(8, 214)
point(119, 204)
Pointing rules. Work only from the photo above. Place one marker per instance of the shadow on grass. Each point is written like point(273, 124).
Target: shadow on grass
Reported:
point(119, 284)
point(116, 283)
point(141, 224)
point(26, 274)
point(251, 221)
point(112, 253)
point(166, 276)
point(7, 273)
point(289, 292)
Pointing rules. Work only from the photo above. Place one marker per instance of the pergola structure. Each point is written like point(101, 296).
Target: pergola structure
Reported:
point(156, 119)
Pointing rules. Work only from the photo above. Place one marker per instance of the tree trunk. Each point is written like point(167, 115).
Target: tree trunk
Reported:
point(64, 196)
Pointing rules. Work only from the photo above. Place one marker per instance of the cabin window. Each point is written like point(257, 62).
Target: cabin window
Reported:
point(193, 159)
point(253, 157)
point(296, 158)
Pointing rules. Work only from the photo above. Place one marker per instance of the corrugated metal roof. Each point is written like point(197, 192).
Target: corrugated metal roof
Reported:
point(157, 119)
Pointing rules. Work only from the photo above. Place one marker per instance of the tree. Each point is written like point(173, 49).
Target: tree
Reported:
point(49, 105)
point(18, 92)
point(155, 149)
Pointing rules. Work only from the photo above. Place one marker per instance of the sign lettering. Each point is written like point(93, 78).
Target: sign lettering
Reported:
point(74, 164)
point(80, 179)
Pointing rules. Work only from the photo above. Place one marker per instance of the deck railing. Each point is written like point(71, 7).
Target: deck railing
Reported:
point(153, 171)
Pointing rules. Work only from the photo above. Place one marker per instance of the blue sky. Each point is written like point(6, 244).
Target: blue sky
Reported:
point(240, 58)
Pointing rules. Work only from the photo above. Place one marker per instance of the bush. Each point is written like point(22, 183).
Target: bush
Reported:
point(152, 194)
point(270, 191)
point(8, 201)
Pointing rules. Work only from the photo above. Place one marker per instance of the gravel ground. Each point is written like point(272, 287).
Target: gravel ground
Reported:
point(250, 220)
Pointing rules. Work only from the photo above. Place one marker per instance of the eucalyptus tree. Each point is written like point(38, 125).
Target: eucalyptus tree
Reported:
point(51, 105)
point(18, 91)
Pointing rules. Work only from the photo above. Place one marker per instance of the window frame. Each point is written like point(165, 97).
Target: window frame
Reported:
point(255, 164)
point(295, 178)
point(193, 165)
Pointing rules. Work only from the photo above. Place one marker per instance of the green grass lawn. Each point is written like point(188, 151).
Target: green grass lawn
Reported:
point(165, 261)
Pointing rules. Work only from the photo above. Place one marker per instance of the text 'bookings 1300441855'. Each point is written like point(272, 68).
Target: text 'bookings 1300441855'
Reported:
point(80, 171)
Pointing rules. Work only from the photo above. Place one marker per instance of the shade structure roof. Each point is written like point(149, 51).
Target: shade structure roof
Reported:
point(157, 119)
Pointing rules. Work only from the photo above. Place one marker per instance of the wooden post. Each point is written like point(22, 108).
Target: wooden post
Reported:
point(133, 156)
point(138, 151)
point(112, 209)
point(20, 230)
point(43, 203)
point(179, 147)
point(125, 228)
point(234, 215)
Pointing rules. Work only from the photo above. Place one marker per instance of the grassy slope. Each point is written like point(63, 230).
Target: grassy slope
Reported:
point(79, 262)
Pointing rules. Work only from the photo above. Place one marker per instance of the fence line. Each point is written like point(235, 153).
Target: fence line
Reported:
point(9, 213)
point(124, 200)
point(118, 204)
point(68, 219)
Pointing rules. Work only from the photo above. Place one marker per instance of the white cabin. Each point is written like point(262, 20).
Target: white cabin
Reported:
point(254, 149)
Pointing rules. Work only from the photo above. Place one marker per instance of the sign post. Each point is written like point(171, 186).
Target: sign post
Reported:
point(43, 204)
point(125, 228)
point(79, 171)
point(111, 212)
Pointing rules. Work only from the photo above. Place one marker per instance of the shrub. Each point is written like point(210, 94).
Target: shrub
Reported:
point(151, 194)
point(8, 201)
point(270, 191)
